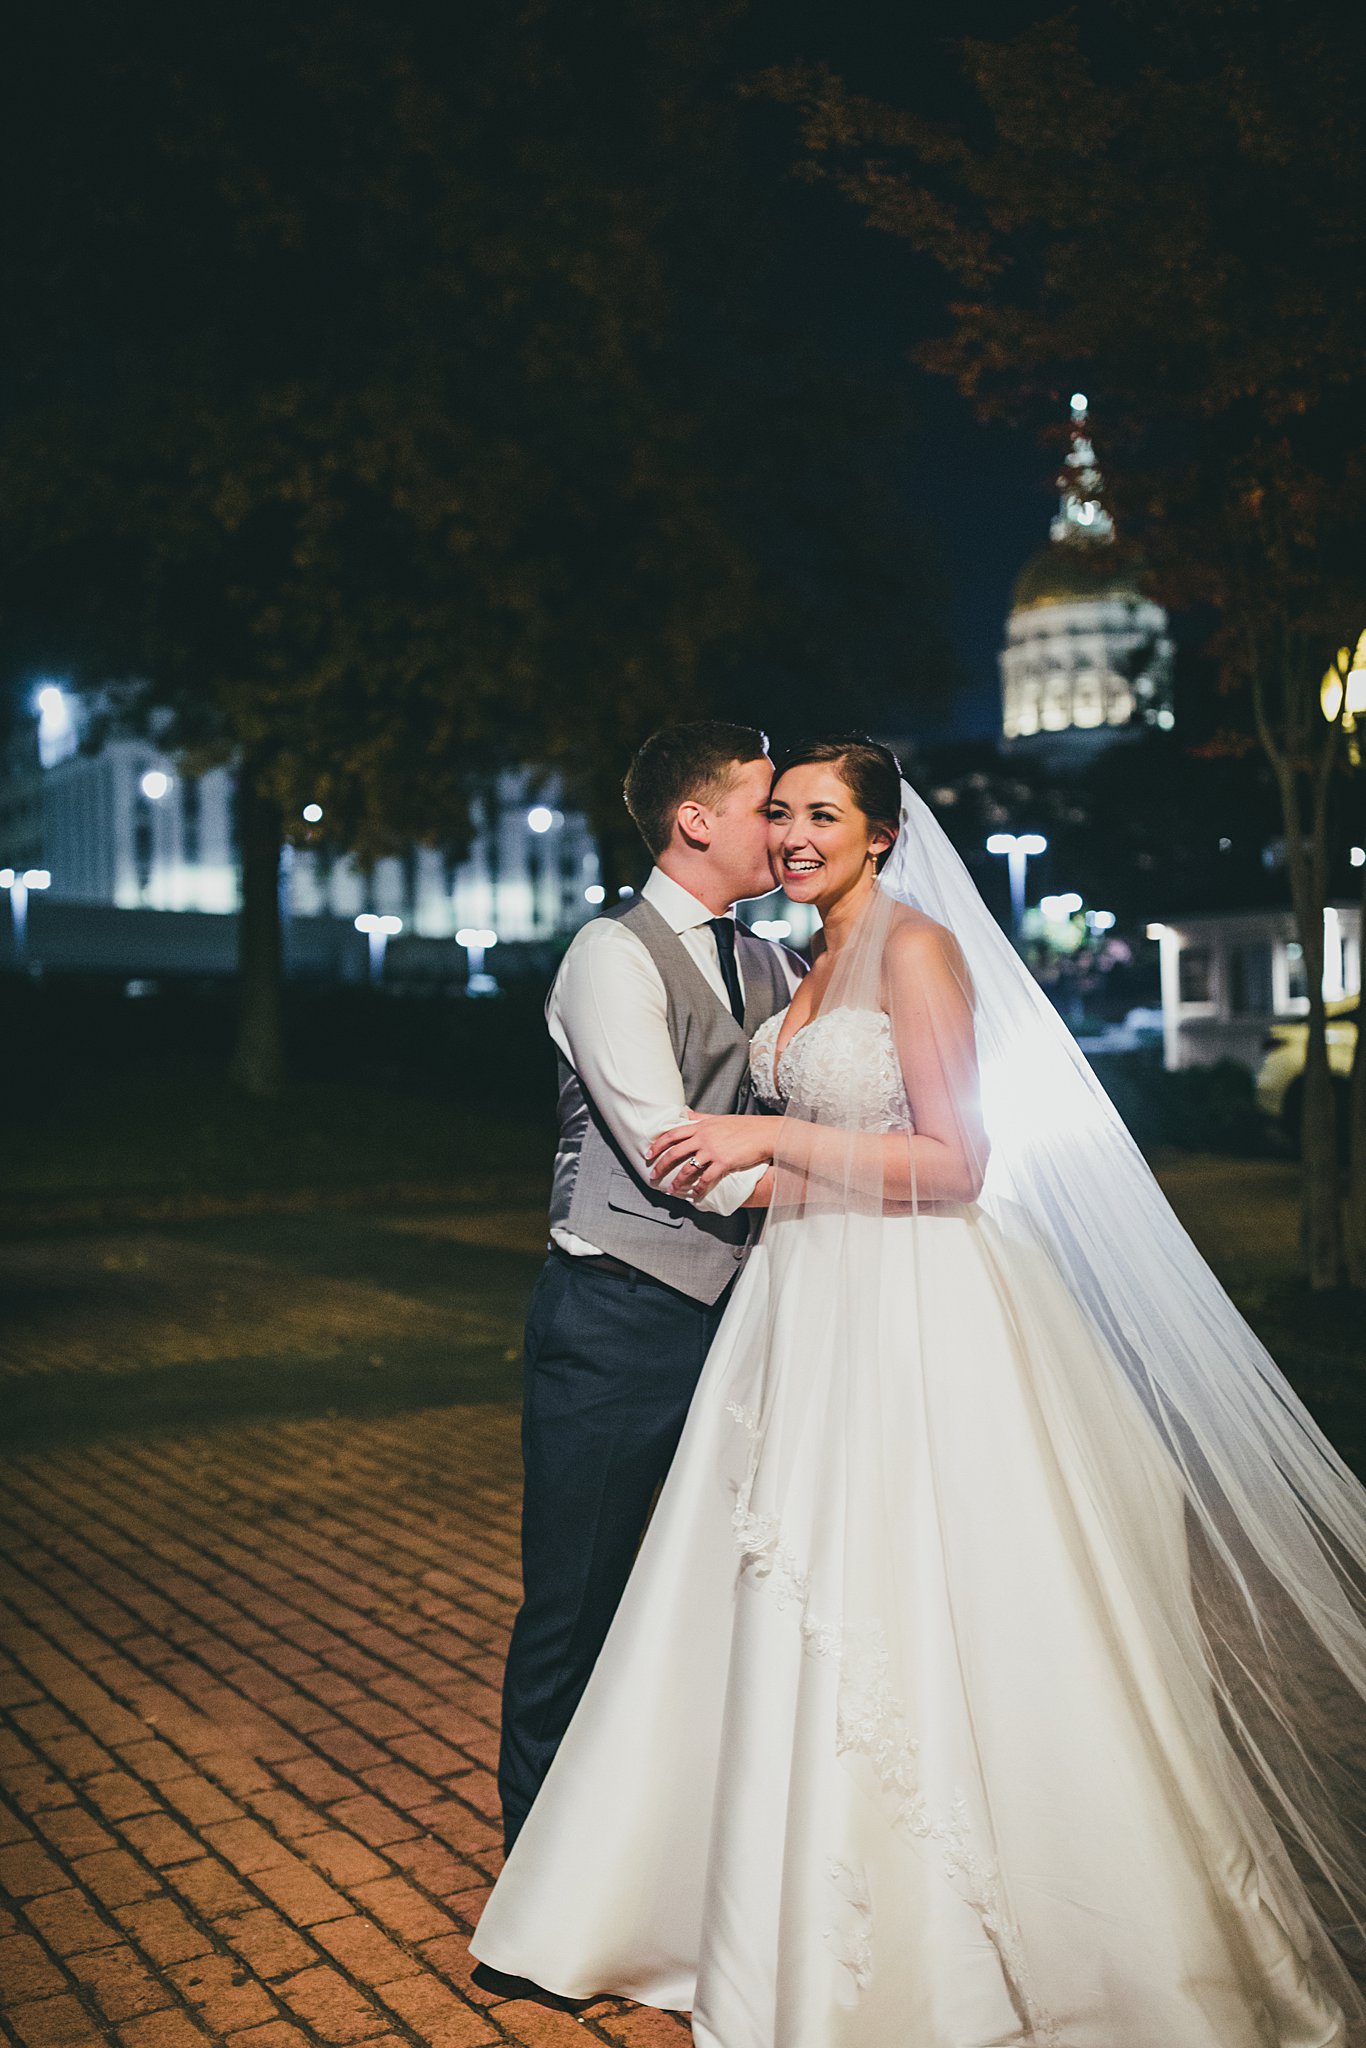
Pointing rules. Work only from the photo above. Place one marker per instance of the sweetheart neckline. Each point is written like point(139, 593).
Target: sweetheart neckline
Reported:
point(780, 1051)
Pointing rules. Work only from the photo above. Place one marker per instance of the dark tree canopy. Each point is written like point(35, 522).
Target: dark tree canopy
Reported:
point(390, 394)
point(394, 393)
point(1167, 204)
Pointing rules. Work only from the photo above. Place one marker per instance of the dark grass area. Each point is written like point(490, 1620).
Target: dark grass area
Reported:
point(182, 1135)
point(114, 1098)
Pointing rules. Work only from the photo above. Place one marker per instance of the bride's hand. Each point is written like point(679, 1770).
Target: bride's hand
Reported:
point(708, 1147)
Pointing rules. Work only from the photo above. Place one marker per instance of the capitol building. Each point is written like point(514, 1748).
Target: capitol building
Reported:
point(1087, 657)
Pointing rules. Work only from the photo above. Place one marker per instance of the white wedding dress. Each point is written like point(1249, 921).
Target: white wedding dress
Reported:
point(902, 1737)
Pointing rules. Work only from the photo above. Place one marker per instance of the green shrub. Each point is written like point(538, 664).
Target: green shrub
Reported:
point(1200, 1109)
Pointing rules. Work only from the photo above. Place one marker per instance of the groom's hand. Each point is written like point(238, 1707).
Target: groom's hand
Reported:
point(703, 1151)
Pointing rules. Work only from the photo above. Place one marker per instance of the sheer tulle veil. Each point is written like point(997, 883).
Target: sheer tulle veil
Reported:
point(1224, 1536)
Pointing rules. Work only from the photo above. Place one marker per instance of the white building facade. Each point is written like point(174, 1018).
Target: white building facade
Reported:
point(121, 826)
point(1228, 977)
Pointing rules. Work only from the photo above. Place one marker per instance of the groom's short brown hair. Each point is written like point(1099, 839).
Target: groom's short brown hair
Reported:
point(695, 761)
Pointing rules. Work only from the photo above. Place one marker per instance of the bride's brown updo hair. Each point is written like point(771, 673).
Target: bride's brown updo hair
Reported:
point(870, 771)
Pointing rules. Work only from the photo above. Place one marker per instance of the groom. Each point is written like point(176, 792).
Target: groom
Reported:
point(652, 1011)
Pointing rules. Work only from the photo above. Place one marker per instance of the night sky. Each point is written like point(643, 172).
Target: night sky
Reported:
point(983, 496)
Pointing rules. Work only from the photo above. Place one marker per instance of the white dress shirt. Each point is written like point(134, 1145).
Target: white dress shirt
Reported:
point(608, 1014)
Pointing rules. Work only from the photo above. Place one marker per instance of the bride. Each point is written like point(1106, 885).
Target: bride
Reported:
point(994, 1669)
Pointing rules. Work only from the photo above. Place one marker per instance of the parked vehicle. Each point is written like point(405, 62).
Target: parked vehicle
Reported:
point(1280, 1078)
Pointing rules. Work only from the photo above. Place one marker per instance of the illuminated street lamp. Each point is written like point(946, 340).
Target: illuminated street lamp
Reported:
point(1345, 679)
point(476, 939)
point(379, 931)
point(57, 735)
point(1018, 849)
point(19, 886)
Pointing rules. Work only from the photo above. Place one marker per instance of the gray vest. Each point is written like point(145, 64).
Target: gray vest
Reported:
point(598, 1193)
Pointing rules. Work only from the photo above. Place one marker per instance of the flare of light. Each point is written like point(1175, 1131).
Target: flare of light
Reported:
point(313, 814)
point(595, 893)
point(539, 818)
point(1026, 1101)
point(1155, 931)
point(1331, 689)
point(155, 784)
point(771, 928)
point(475, 935)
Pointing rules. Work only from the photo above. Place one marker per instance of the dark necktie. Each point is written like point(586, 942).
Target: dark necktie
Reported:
point(724, 928)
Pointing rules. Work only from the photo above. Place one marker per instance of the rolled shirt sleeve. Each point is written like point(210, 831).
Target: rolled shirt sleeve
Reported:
point(608, 1014)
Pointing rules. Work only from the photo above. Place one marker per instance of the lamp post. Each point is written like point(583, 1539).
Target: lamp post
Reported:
point(1018, 847)
point(19, 886)
point(379, 931)
point(476, 939)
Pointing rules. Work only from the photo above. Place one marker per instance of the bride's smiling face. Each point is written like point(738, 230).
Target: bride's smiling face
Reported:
point(820, 844)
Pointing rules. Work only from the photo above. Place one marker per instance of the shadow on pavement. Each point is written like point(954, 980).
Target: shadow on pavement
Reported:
point(212, 1322)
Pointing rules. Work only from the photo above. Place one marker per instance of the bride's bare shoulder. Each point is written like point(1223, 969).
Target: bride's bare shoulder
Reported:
point(915, 937)
point(922, 954)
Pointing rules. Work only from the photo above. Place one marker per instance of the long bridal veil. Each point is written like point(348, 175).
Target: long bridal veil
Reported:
point(1216, 1540)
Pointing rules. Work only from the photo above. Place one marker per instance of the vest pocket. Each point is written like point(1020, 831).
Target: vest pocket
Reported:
point(623, 1194)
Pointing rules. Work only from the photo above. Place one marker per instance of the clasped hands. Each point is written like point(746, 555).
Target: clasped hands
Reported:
point(705, 1149)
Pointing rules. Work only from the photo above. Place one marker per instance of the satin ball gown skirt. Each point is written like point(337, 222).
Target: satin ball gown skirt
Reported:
point(902, 1737)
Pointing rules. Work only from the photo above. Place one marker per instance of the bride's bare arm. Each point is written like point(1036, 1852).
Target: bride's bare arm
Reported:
point(929, 1001)
point(930, 1005)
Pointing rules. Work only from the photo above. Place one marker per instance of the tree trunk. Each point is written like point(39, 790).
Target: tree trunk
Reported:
point(1321, 1182)
point(258, 1057)
point(1355, 1217)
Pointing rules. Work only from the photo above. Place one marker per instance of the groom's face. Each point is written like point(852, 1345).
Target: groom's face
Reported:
point(740, 831)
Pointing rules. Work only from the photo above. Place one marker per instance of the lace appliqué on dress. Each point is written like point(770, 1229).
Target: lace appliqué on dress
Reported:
point(841, 1068)
point(850, 1941)
point(871, 1722)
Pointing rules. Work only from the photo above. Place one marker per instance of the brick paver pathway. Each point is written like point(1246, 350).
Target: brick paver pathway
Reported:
point(250, 1691)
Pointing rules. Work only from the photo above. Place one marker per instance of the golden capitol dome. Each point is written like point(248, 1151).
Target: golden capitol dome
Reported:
point(1087, 655)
